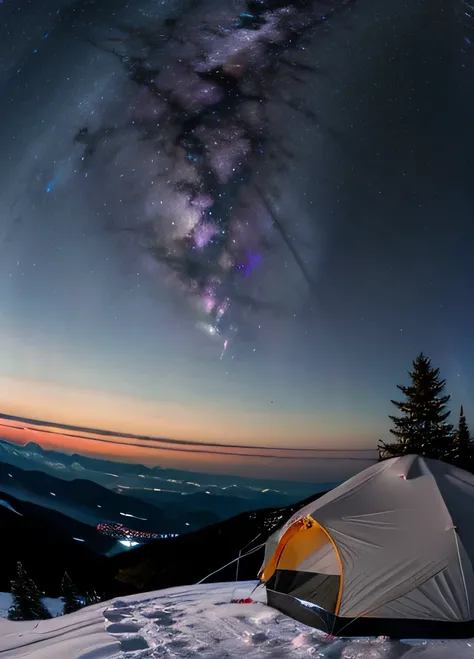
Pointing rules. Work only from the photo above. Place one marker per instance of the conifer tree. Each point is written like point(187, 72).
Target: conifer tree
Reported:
point(92, 597)
point(27, 604)
point(422, 428)
point(463, 450)
point(69, 595)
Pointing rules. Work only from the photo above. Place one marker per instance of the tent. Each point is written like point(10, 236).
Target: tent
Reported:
point(390, 552)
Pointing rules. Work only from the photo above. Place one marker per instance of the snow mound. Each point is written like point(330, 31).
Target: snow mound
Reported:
point(198, 622)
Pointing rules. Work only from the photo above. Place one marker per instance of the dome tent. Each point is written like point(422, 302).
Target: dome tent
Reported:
point(390, 552)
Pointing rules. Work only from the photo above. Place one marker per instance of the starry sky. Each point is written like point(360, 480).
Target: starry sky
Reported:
point(261, 278)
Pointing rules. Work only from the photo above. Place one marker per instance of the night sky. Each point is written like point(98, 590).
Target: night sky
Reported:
point(344, 240)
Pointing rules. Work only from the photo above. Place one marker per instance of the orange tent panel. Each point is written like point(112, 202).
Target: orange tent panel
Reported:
point(300, 540)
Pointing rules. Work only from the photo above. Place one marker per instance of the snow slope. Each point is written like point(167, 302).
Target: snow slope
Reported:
point(197, 622)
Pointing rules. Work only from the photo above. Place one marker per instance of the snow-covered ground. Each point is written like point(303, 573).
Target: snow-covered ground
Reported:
point(198, 622)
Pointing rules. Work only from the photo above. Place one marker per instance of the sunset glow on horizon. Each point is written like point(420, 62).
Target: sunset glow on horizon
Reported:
point(292, 463)
point(119, 413)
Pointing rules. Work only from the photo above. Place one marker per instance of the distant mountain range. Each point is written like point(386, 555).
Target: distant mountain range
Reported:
point(190, 497)
point(43, 540)
point(91, 504)
point(51, 504)
point(48, 544)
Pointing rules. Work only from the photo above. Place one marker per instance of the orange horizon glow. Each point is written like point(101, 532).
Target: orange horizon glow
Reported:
point(176, 436)
point(191, 457)
point(120, 413)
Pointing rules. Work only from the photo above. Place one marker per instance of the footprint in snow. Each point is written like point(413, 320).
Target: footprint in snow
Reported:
point(123, 628)
point(160, 618)
point(177, 644)
point(115, 616)
point(133, 643)
point(259, 637)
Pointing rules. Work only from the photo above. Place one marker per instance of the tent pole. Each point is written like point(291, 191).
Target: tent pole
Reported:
point(237, 567)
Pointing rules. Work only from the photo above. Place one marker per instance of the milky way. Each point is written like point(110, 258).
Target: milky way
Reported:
point(200, 154)
point(231, 222)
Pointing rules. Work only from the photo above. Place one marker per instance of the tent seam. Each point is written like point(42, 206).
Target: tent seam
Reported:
point(341, 565)
point(462, 573)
